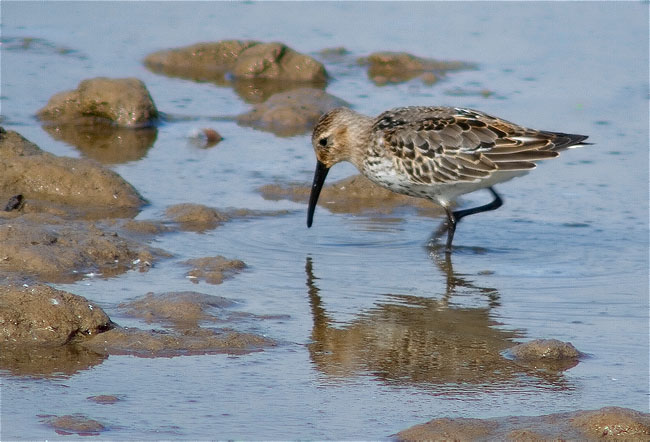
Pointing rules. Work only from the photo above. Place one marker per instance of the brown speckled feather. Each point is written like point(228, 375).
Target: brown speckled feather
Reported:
point(444, 144)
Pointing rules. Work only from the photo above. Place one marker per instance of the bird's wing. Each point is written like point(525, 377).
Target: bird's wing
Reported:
point(442, 145)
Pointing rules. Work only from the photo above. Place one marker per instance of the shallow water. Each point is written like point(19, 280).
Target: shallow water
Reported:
point(378, 324)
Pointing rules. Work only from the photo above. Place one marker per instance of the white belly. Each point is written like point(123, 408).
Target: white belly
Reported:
point(440, 193)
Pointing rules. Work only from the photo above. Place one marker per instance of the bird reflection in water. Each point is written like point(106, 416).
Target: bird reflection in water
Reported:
point(426, 341)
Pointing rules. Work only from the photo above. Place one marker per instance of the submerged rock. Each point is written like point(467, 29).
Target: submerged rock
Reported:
point(103, 399)
point(42, 315)
point(76, 424)
point(196, 217)
point(73, 184)
point(549, 354)
point(546, 349)
point(290, 113)
point(213, 269)
point(179, 309)
point(199, 218)
point(397, 67)
point(610, 423)
point(192, 341)
point(121, 101)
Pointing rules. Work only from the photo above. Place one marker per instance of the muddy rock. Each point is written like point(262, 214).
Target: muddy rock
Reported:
point(290, 113)
point(256, 70)
point(77, 185)
point(179, 309)
point(609, 423)
point(42, 315)
point(106, 143)
point(123, 102)
point(213, 269)
point(52, 249)
point(196, 217)
point(241, 59)
point(201, 61)
point(355, 194)
point(398, 67)
point(199, 218)
point(546, 353)
point(613, 423)
point(279, 62)
point(161, 343)
point(76, 424)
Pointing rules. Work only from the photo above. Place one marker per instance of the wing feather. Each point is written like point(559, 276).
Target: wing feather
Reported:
point(443, 144)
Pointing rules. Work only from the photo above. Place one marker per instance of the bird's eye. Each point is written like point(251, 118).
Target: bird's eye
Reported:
point(323, 142)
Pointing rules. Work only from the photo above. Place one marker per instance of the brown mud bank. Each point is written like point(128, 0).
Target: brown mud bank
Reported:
point(45, 331)
point(608, 423)
point(67, 217)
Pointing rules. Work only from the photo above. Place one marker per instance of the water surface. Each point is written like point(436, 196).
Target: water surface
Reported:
point(379, 326)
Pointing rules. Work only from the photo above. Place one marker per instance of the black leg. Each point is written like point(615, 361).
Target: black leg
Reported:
point(454, 217)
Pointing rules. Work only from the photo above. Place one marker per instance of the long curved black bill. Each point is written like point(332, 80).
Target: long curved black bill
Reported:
point(319, 179)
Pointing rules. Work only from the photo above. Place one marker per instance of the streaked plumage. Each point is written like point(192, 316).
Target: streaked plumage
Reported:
point(436, 153)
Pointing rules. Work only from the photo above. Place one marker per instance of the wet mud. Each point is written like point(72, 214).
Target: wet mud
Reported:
point(51, 249)
point(608, 423)
point(47, 332)
point(55, 227)
point(79, 424)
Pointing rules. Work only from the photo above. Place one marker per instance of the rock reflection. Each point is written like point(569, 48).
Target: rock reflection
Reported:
point(106, 143)
point(415, 340)
point(48, 361)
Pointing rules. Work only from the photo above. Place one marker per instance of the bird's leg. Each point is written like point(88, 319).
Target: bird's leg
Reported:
point(495, 204)
point(454, 217)
point(451, 228)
